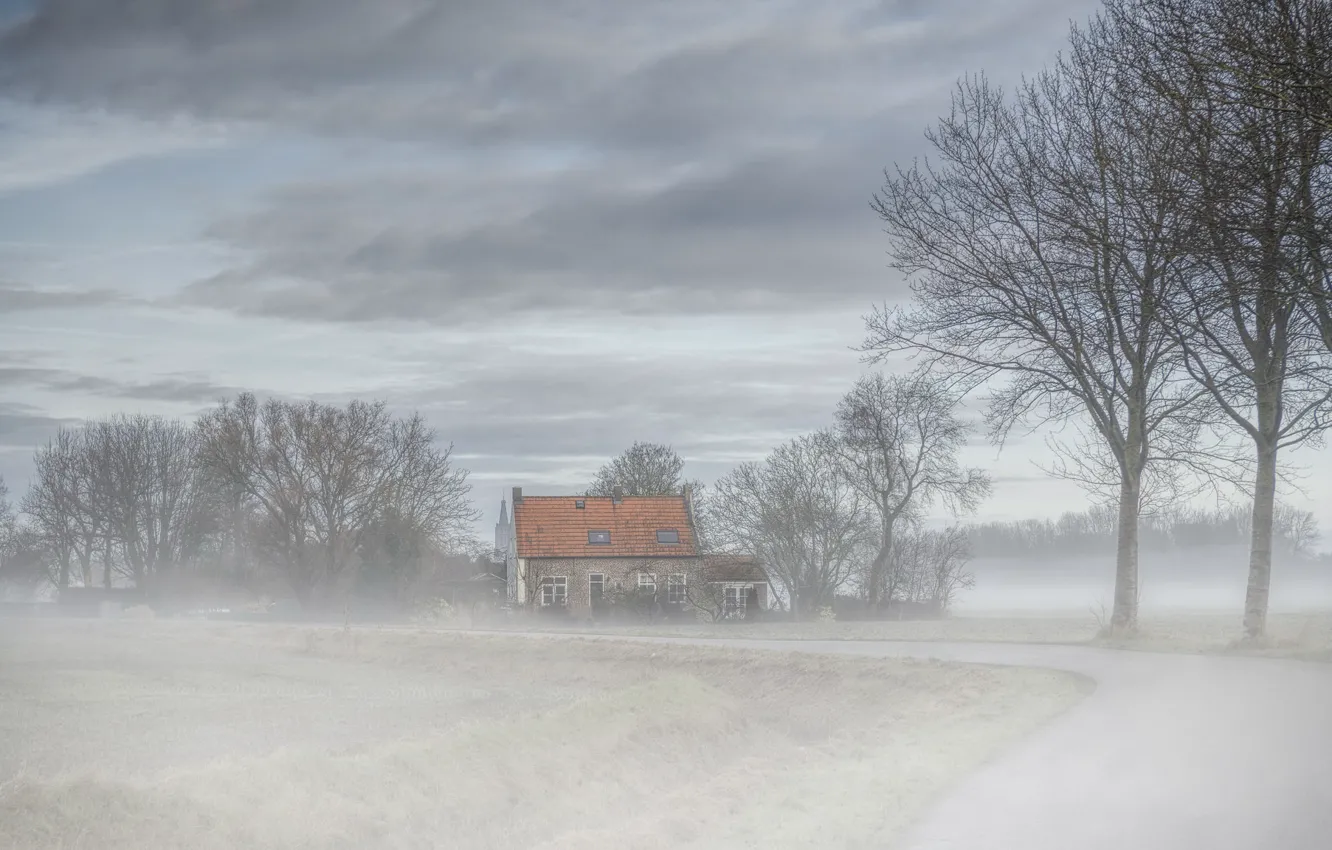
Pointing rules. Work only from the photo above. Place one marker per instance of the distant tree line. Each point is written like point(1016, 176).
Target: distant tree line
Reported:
point(1093, 532)
point(317, 499)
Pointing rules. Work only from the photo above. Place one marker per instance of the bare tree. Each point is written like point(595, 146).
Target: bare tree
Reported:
point(151, 504)
point(1273, 55)
point(802, 520)
point(1257, 180)
point(897, 439)
point(8, 522)
point(26, 562)
point(322, 477)
point(1041, 250)
point(1297, 530)
point(1245, 57)
point(949, 552)
point(1258, 183)
point(643, 469)
point(61, 504)
point(929, 567)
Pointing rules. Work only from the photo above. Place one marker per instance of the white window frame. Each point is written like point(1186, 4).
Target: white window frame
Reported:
point(554, 591)
point(736, 605)
point(677, 582)
point(647, 580)
point(592, 580)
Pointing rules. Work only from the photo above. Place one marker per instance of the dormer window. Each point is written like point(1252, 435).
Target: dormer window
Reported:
point(668, 536)
point(580, 504)
point(598, 538)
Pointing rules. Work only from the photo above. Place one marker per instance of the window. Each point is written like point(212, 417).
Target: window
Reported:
point(668, 535)
point(647, 583)
point(601, 538)
point(554, 590)
point(676, 589)
point(580, 504)
point(734, 599)
point(596, 582)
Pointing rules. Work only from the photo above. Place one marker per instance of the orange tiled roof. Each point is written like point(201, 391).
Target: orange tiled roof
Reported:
point(553, 527)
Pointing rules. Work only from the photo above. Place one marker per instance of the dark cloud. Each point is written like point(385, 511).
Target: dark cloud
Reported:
point(700, 157)
point(649, 73)
point(14, 299)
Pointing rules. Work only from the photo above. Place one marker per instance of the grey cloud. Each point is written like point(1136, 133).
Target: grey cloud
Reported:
point(25, 427)
point(18, 298)
point(574, 411)
point(170, 388)
point(776, 233)
point(648, 74)
point(720, 157)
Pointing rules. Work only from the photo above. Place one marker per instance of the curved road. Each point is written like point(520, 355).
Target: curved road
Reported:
point(1171, 752)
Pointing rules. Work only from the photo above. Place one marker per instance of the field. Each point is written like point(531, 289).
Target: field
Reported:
point(1304, 636)
point(160, 734)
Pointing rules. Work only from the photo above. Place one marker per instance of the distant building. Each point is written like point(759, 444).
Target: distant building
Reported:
point(503, 534)
point(503, 554)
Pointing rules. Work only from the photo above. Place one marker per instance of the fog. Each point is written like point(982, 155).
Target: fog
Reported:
point(186, 734)
point(1211, 580)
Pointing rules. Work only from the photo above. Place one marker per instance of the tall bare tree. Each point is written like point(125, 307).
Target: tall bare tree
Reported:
point(897, 439)
point(800, 517)
point(1256, 176)
point(323, 476)
point(1041, 248)
point(643, 469)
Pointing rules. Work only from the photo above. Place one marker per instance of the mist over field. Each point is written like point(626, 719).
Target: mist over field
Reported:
point(1211, 580)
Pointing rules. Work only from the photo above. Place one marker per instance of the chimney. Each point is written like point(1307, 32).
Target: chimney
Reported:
point(617, 494)
point(517, 495)
point(689, 503)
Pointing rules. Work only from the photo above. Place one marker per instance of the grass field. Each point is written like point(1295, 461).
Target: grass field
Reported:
point(130, 735)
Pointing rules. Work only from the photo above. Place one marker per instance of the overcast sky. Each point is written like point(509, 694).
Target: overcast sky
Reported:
point(553, 227)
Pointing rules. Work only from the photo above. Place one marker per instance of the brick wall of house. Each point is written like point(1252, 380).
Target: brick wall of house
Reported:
point(624, 571)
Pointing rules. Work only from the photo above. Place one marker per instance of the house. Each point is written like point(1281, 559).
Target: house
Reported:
point(580, 553)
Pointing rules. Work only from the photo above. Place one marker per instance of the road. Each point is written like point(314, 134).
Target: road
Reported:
point(1171, 752)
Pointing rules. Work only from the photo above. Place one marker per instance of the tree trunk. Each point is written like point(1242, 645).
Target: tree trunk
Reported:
point(1124, 617)
point(85, 567)
point(879, 566)
point(1260, 547)
point(106, 564)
